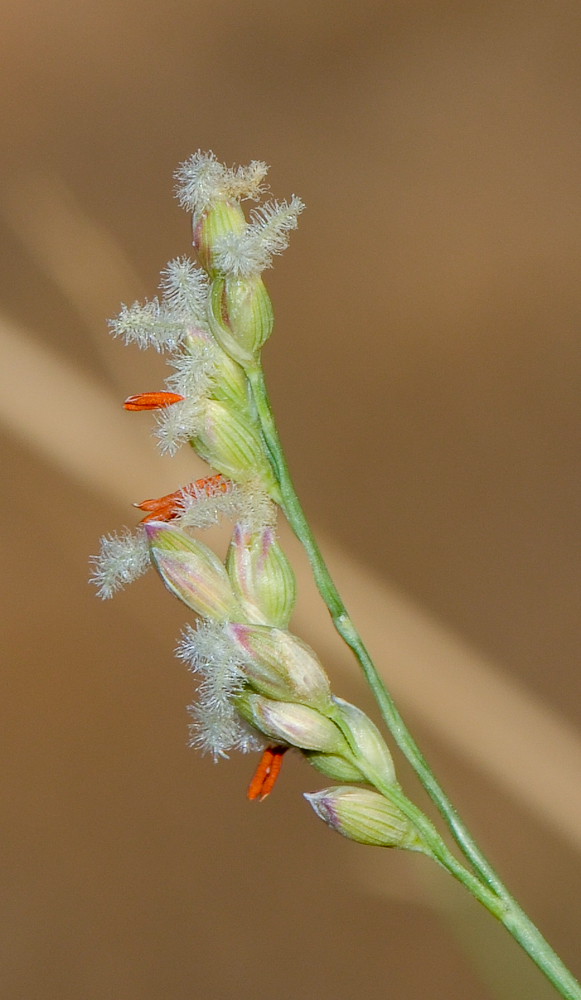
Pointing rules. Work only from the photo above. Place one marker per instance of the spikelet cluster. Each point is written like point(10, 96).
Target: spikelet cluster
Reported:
point(258, 686)
point(214, 389)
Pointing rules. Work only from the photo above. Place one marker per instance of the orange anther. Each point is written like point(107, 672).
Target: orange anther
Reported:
point(167, 507)
point(151, 400)
point(210, 486)
point(266, 773)
point(162, 508)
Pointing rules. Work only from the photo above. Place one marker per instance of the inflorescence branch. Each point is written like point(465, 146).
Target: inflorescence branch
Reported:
point(259, 687)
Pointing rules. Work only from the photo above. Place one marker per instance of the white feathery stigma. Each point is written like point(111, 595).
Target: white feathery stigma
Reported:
point(254, 508)
point(148, 325)
point(251, 251)
point(216, 726)
point(196, 508)
point(178, 424)
point(185, 290)
point(122, 559)
point(166, 325)
point(246, 503)
point(194, 368)
point(203, 180)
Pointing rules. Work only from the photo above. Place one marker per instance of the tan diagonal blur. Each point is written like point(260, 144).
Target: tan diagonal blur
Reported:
point(425, 373)
point(531, 750)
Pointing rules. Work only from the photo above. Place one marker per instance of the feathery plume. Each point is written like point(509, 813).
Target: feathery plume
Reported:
point(216, 727)
point(250, 252)
point(122, 559)
point(203, 180)
point(185, 290)
point(148, 325)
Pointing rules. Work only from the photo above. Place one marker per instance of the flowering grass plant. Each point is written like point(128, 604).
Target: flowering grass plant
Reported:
point(260, 688)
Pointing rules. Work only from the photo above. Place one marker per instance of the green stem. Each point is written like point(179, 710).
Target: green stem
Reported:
point(488, 888)
point(506, 909)
point(296, 518)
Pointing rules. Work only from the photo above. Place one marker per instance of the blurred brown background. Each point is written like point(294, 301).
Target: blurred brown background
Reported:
point(425, 373)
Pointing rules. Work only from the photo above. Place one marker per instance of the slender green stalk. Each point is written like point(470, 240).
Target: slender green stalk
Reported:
point(506, 909)
point(296, 518)
point(487, 888)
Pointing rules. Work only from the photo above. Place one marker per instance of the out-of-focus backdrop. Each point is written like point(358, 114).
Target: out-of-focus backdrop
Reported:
point(425, 374)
